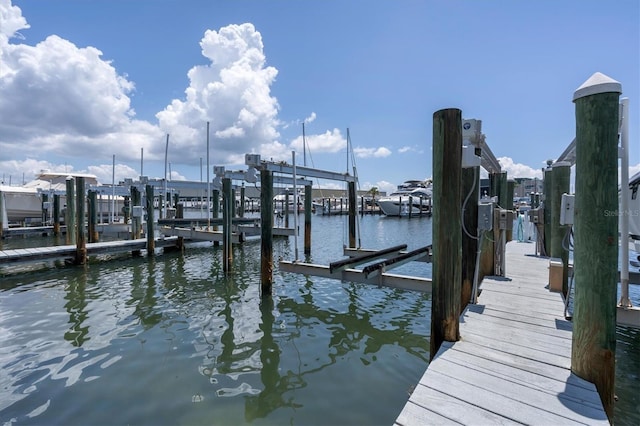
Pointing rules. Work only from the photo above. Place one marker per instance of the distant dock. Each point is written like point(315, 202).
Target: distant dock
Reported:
point(512, 363)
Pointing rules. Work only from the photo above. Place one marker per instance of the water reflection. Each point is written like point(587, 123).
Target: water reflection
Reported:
point(76, 307)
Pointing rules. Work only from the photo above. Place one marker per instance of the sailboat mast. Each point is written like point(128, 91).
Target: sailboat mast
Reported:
point(304, 147)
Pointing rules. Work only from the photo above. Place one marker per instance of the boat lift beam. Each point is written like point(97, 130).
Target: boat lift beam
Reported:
point(385, 279)
point(379, 268)
point(340, 265)
point(488, 161)
point(277, 180)
point(307, 172)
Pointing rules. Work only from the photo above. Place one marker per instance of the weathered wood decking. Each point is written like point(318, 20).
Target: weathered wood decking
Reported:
point(512, 364)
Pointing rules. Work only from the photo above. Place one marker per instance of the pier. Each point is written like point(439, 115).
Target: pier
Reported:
point(512, 363)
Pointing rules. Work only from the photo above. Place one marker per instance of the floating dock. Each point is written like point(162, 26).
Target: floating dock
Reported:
point(512, 363)
point(43, 254)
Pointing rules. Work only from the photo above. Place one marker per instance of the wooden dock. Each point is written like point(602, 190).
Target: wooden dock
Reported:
point(43, 254)
point(512, 363)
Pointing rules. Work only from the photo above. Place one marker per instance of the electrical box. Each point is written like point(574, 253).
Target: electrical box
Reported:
point(566, 209)
point(471, 128)
point(469, 157)
point(252, 160)
point(136, 211)
point(485, 216)
point(502, 219)
point(218, 170)
point(536, 216)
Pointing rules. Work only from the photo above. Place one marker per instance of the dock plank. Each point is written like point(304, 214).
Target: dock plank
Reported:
point(513, 361)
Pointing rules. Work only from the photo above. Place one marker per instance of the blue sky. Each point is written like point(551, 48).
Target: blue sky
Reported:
point(81, 81)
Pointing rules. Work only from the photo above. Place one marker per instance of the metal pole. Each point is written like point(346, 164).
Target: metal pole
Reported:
point(113, 189)
point(295, 206)
point(208, 183)
point(164, 193)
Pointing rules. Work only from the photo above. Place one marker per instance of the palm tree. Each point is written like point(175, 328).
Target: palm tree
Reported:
point(373, 192)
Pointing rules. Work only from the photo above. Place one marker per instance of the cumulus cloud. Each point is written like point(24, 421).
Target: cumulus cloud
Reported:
point(231, 92)
point(310, 118)
point(57, 97)
point(379, 152)
point(518, 170)
point(407, 148)
point(330, 141)
point(105, 172)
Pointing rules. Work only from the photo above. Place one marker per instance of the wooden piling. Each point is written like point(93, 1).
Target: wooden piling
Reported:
point(151, 242)
point(307, 219)
point(546, 185)
point(285, 209)
point(469, 200)
point(559, 185)
point(70, 217)
point(56, 214)
point(45, 203)
point(447, 239)
point(353, 205)
point(596, 235)
point(126, 208)
point(266, 237)
point(241, 207)
point(227, 231)
point(215, 210)
point(93, 217)
point(2, 214)
point(81, 240)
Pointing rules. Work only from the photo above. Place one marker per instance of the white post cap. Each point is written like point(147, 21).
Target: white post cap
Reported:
point(561, 164)
point(597, 83)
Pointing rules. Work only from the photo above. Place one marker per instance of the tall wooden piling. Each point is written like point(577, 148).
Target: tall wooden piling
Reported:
point(2, 214)
point(56, 214)
point(596, 235)
point(151, 242)
point(215, 210)
point(241, 206)
point(548, 181)
point(469, 200)
point(447, 239)
point(126, 208)
point(559, 186)
point(266, 237)
point(45, 208)
point(285, 209)
point(81, 240)
point(70, 217)
point(93, 217)
point(136, 222)
point(353, 205)
point(227, 231)
point(307, 219)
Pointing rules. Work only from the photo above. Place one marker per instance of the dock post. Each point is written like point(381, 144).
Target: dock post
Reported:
point(546, 192)
point(215, 211)
point(151, 242)
point(447, 238)
point(353, 203)
point(45, 199)
point(126, 208)
point(266, 237)
point(241, 206)
point(233, 202)
point(81, 240)
point(470, 179)
point(93, 217)
point(227, 231)
point(70, 217)
point(307, 219)
point(511, 183)
point(285, 209)
point(2, 214)
point(559, 185)
point(56, 214)
point(135, 220)
point(596, 235)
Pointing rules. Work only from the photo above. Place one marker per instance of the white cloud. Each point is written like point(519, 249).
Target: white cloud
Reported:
point(56, 97)
point(232, 92)
point(407, 148)
point(379, 152)
point(311, 118)
point(518, 170)
point(105, 172)
point(330, 141)
point(12, 22)
point(386, 187)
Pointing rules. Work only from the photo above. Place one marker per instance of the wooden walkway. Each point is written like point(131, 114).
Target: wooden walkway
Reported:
point(42, 254)
point(512, 364)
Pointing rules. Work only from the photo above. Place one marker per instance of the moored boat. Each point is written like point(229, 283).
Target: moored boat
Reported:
point(413, 197)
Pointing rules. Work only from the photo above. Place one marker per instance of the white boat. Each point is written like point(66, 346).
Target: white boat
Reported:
point(280, 202)
point(24, 204)
point(413, 197)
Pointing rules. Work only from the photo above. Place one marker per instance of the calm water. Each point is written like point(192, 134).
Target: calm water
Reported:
point(170, 340)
